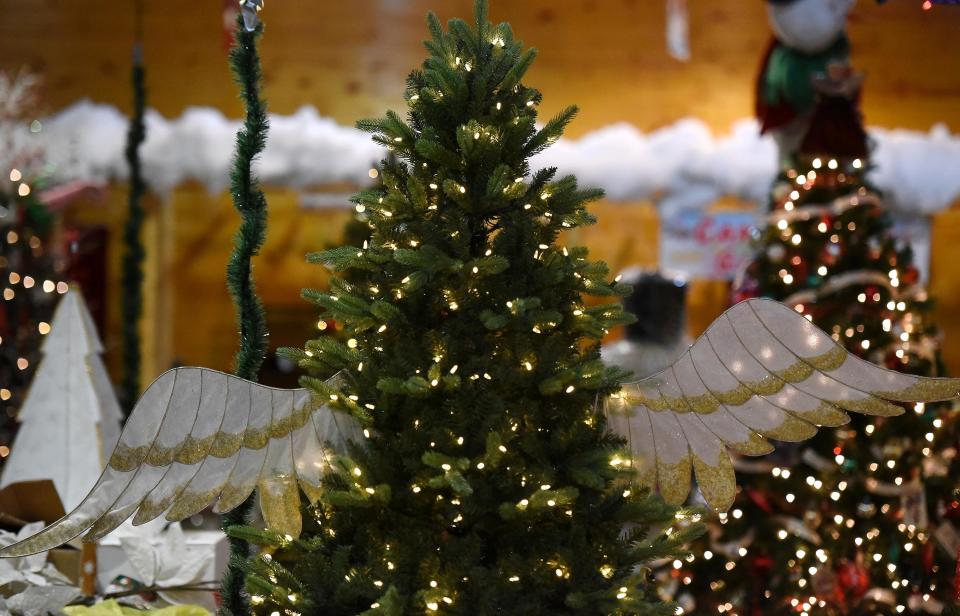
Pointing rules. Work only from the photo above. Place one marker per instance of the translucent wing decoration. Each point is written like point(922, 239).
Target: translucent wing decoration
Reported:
point(199, 436)
point(761, 371)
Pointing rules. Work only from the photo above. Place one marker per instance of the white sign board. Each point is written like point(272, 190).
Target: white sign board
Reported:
point(703, 245)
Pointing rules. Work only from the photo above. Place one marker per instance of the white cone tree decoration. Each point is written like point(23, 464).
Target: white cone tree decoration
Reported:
point(70, 417)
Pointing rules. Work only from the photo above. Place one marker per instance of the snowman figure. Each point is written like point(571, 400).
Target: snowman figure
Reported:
point(808, 37)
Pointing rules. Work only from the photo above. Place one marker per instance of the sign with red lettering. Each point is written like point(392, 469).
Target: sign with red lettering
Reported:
point(706, 245)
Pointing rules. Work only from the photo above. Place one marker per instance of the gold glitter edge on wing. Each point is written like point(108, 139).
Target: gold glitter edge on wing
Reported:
point(152, 508)
point(49, 539)
point(766, 386)
point(107, 523)
point(826, 414)
point(280, 504)
point(718, 482)
point(638, 399)
point(194, 450)
point(871, 406)
point(829, 361)
point(674, 480)
point(219, 444)
point(924, 390)
point(232, 495)
point(312, 491)
point(126, 459)
point(795, 372)
point(703, 404)
point(755, 445)
point(734, 397)
point(791, 430)
point(190, 502)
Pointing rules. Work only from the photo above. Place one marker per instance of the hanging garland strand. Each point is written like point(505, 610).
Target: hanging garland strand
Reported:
point(132, 283)
point(250, 202)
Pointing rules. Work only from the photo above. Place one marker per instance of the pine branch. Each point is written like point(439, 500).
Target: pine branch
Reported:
point(251, 203)
point(132, 268)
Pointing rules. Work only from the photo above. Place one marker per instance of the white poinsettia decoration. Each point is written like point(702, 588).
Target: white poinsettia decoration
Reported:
point(30, 584)
point(159, 555)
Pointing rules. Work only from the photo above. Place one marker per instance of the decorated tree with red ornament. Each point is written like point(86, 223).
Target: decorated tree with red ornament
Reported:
point(862, 519)
point(28, 269)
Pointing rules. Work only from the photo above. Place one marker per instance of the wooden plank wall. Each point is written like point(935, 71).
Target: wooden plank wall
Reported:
point(349, 59)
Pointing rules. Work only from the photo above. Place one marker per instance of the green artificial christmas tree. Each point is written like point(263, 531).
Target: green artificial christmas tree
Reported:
point(485, 485)
point(860, 519)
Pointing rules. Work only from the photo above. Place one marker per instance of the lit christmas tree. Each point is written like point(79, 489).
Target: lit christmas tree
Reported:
point(486, 485)
point(859, 520)
point(27, 267)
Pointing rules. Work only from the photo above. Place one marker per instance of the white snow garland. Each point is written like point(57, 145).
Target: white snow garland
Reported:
point(917, 172)
point(683, 165)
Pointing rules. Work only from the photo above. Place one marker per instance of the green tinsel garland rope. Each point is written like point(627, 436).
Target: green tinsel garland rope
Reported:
point(132, 276)
point(252, 206)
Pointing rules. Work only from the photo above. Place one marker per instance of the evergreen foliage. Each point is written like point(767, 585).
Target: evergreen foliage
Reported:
point(487, 483)
point(251, 203)
point(132, 267)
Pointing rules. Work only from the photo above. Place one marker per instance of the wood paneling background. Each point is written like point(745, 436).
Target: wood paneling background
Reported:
point(350, 59)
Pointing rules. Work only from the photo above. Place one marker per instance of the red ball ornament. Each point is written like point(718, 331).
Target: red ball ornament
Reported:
point(853, 579)
point(830, 255)
point(760, 500)
point(952, 512)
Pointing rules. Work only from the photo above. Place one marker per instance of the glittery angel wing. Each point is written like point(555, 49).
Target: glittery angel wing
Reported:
point(199, 436)
point(761, 371)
